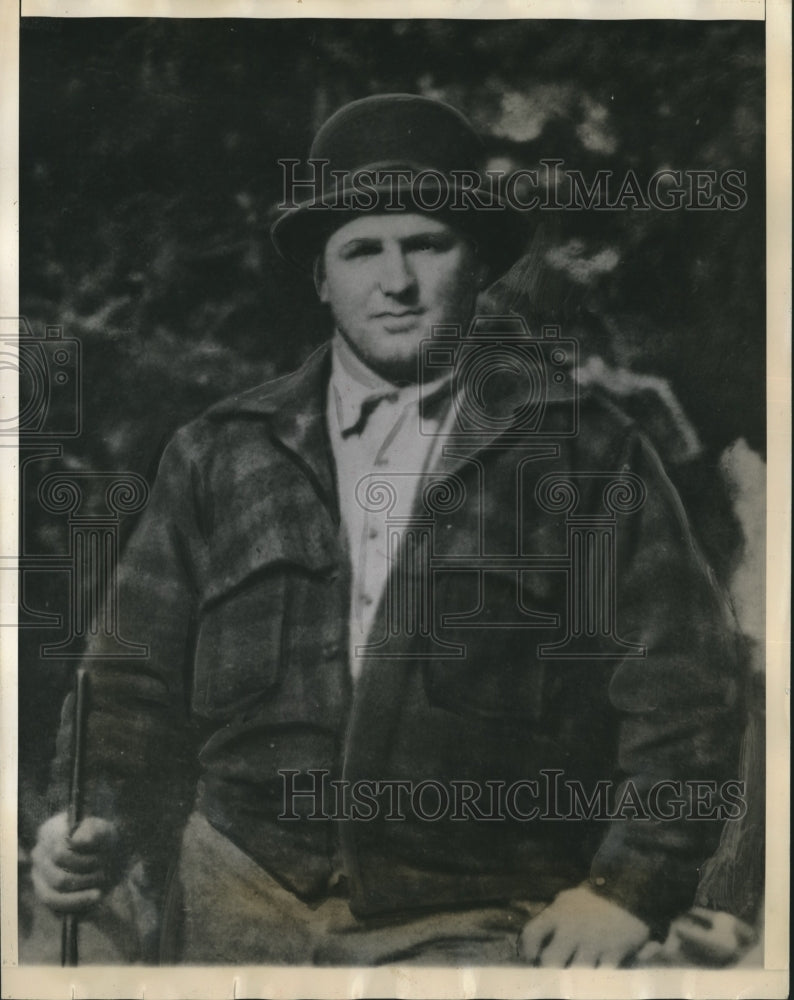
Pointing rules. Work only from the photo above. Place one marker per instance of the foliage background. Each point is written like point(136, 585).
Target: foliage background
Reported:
point(148, 181)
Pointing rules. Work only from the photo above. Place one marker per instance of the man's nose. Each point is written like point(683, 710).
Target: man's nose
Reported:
point(396, 274)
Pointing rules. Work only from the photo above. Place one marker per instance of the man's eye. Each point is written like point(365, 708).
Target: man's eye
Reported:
point(432, 244)
point(360, 250)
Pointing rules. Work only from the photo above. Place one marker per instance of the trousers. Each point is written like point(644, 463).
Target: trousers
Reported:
point(224, 908)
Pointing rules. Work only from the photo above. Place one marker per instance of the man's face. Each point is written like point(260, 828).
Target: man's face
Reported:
point(389, 279)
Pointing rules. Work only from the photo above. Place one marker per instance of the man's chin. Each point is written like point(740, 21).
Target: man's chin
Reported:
point(396, 355)
point(400, 371)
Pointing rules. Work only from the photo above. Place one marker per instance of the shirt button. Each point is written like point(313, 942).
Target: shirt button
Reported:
point(373, 533)
point(365, 599)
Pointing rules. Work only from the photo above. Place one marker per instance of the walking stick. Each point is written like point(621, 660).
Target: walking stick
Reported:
point(70, 922)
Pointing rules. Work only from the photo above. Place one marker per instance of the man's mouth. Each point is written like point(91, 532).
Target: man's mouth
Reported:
point(399, 312)
point(398, 321)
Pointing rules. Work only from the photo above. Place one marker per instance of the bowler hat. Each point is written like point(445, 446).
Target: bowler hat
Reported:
point(396, 152)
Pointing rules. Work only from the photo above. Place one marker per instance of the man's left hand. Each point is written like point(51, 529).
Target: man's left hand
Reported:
point(582, 928)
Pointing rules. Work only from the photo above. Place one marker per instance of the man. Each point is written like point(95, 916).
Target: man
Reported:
point(363, 580)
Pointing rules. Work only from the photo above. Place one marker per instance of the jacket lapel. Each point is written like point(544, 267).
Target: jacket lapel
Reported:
point(294, 409)
point(299, 424)
point(459, 447)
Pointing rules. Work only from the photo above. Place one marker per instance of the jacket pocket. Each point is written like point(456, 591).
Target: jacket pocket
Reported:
point(240, 648)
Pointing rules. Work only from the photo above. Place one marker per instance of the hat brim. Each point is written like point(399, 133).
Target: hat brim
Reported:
point(499, 232)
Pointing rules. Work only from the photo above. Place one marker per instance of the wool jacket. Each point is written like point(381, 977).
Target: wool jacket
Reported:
point(237, 580)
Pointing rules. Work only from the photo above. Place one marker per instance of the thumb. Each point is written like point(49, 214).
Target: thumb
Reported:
point(94, 834)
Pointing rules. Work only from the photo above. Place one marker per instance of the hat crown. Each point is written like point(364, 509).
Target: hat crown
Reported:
point(398, 130)
point(352, 154)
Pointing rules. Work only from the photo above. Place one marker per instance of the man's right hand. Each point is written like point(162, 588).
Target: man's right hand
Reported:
point(71, 873)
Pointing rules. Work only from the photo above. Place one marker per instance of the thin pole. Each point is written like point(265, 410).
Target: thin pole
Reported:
point(70, 921)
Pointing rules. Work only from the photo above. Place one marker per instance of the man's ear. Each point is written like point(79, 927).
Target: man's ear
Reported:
point(318, 272)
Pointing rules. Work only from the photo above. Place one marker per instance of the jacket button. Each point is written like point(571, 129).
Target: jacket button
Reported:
point(331, 650)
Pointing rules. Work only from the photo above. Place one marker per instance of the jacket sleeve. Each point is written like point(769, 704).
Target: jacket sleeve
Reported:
point(137, 740)
point(679, 707)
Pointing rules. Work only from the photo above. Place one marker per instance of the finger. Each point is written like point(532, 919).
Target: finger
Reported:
point(653, 953)
point(619, 956)
point(586, 957)
point(725, 924)
point(59, 856)
point(699, 915)
point(61, 880)
point(706, 945)
point(612, 958)
point(72, 902)
point(54, 830)
point(62, 855)
point(77, 861)
point(559, 952)
point(705, 936)
point(534, 937)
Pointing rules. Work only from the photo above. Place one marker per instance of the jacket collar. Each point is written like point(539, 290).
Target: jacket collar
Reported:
point(294, 409)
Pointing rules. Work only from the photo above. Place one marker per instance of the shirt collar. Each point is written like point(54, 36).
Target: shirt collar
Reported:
point(354, 384)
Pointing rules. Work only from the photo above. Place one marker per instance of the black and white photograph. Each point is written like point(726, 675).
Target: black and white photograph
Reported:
point(387, 494)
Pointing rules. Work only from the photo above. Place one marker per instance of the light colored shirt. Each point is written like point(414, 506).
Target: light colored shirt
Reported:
point(376, 434)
